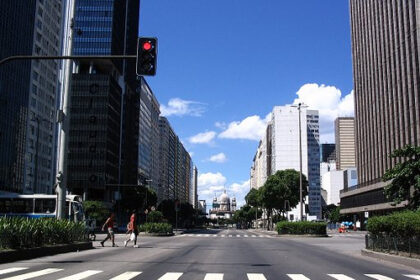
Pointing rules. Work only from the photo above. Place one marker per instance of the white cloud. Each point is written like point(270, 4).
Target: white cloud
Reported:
point(250, 128)
point(221, 125)
point(209, 184)
point(220, 158)
point(202, 138)
point(239, 190)
point(180, 107)
point(329, 102)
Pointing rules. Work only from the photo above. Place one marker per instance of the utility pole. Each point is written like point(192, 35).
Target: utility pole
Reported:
point(300, 164)
point(64, 116)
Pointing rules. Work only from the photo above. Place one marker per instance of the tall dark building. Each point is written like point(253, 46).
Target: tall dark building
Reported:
point(103, 98)
point(327, 152)
point(385, 44)
point(28, 94)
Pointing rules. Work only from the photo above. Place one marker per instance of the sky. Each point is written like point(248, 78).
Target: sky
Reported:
point(224, 64)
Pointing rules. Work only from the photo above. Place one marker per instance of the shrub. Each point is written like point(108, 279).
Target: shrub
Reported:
point(301, 228)
point(19, 232)
point(155, 228)
point(155, 217)
point(400, 224)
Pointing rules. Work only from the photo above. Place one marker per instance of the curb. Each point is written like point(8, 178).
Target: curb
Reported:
point(392, 258)
point(32, 253)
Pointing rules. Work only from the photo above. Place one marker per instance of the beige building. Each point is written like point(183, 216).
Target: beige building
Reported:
point(344, 143)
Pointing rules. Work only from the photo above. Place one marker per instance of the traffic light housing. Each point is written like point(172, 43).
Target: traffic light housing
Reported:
point(146, 56)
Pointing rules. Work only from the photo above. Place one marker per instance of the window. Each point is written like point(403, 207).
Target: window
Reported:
point(44, 205)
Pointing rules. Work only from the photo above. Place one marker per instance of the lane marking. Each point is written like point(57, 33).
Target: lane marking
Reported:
point(12, 269)
point(214, 276)
point(340, 277)
point(378, 277)
point(223, 235)
point(199, 235)
point(254, 236)
point(230, 235)
point(256, 276)
point(127, 275)
point(245, 235)
point(34, 274)
point(298, 277)
point(238, 235)
point(81, 275)
point(417, 277)
point(260, 236)
point(171, 276)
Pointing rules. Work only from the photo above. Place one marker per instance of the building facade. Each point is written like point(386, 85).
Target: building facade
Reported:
point(279, 150)
point(223, 207)
point(386, 67)
point(28, 94)
point(344, 141)
point(96, 155)
point(327, 152)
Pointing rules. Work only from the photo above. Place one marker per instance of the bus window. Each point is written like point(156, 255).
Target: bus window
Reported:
point(22, 205)
point(45, 205)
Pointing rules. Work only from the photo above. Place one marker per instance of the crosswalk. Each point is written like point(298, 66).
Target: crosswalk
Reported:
point(25, 273)
point(228, 235)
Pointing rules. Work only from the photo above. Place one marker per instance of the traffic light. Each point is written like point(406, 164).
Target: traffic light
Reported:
point(146, 56)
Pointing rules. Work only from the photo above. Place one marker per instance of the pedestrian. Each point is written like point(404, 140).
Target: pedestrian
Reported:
point(132, 230)
point(109, 223)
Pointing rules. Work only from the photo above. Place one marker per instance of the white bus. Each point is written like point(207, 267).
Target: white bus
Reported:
point(39, 206)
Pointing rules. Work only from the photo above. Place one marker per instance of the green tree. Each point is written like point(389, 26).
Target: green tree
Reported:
point(253, 198)
point(280, 188)
point(405, 177)
point(96, 210)
point(155, 217)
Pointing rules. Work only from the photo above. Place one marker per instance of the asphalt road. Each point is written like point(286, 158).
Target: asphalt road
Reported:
point(215, 255)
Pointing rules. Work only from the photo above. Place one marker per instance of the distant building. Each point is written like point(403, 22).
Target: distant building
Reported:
point(194, 193)
point(202, 206)
point(223, 207)
point(335, 181)
point(327, 152)
point(279, 150)
point(344, 141)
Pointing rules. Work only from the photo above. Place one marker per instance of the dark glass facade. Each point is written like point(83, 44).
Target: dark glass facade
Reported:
point(104, 27)
point(14, 94)
point(327, 152)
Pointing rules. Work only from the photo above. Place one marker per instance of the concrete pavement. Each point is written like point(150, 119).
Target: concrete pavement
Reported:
point(210, 255)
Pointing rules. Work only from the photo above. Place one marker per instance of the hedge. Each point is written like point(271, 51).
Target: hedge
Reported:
point(301, 228)
point(400, 224)
point(18, 232)
point(155, 228)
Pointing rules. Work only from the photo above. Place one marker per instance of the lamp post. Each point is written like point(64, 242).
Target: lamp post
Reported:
point(299, 106)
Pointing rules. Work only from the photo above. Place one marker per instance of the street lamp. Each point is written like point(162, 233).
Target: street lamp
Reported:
point(299, 106)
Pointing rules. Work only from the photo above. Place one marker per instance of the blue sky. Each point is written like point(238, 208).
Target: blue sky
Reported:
point(224, 64)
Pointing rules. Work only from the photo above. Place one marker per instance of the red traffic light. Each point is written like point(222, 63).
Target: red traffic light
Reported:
point(147, 46)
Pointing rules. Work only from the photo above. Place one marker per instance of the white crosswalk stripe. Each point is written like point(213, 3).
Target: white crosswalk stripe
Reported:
point(378, 277)
point(245, 235)
point(81, 275)
point(214, 276)
point(238, 235)
point(340, 277)
point(254, 236)
point(412, 276)
point(171, 276)
point(256, 276)
point(298, 277)
point(230, 235)
point(34, 274)
point(127, 275)
point(223, 235)
point(12, 269)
